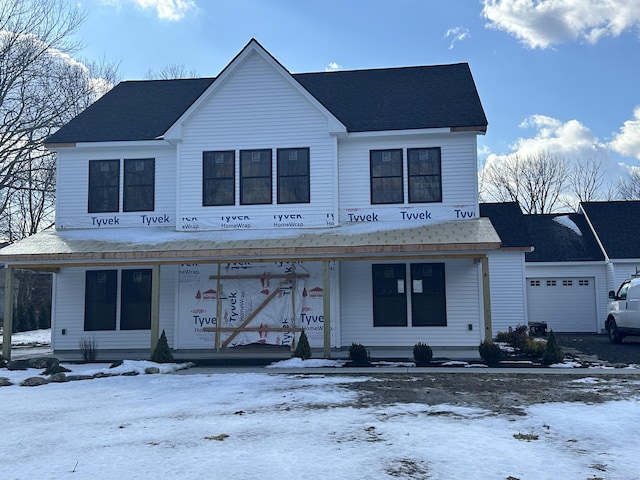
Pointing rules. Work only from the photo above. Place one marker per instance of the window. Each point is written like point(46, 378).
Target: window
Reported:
point(389, 295)
point(425, 180)
point(135, 300)
point(551, 283)
point(139, 185)
point(535, 283)
point(100, 300)
point(293, 175)
point(104, 186)
point(583, 283)
point(255, 177)
point(218, 178)
point(386, 176)
point(428, 298)
point(567, 283)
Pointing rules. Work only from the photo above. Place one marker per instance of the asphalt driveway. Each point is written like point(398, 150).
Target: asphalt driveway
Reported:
point(598, 345)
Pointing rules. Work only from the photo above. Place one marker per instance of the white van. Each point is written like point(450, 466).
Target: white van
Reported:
point(623, 313)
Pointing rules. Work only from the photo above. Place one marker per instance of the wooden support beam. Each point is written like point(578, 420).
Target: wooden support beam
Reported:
point(326, 307)
point(253, 315)
point(486, 299)
point(155, 307)
point(8, 313)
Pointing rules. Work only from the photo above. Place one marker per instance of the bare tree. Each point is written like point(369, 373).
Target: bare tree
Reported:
point(586, 179)
point(628, 188)
point(535, 181)
point(171, 72)
point(41, 88)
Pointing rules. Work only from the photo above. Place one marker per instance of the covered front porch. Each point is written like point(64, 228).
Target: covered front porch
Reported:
point(80, 250)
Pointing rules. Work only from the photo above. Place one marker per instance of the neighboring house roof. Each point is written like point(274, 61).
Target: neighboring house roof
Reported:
point(616, 226)
point(508, 220)
point(363, 100)
point(562, 238)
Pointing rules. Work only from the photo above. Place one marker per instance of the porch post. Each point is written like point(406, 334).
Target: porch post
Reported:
point(155, 306)
point(486, 299)
point(8, 312)
point(326, 307)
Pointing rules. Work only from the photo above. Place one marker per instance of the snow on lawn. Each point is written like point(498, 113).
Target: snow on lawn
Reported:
point(274, 426)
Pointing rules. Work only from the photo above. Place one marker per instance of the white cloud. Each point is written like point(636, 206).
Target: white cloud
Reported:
point(332, 67)
point(627, 142)
point(457, 34)
point(542, 23)
point(172, 10)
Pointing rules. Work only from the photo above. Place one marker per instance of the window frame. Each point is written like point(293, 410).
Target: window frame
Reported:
point(304, 196)
point(100, 307)
point(135, 299)
point(413, 177)
point(246, 178)
point(376, 181)
point(229, 198)
point(435, 294)
point(103, 195)
point(393, 313)
point(133, 184)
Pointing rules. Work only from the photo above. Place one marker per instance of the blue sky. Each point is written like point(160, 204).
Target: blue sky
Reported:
point(556, 75)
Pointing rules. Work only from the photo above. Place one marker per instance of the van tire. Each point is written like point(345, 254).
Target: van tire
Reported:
point(612, 330)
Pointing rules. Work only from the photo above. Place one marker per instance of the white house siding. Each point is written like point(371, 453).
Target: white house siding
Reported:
point(68, 314)
point(73, 180)
point(508, 292)
point(458, 160)
point(463, 309)
point(596, 272)
point(238, 116)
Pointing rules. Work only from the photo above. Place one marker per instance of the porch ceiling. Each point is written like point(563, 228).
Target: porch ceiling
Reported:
point(165, 245)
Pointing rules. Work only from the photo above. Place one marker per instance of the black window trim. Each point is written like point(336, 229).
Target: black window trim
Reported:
point(243, 200)
point(205, 178)
point(371, 175)
point(280, 176)
point(92, 187)
point(125, 186)
point(410, 176)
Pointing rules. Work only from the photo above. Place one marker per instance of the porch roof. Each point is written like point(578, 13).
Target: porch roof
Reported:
point(164, 245)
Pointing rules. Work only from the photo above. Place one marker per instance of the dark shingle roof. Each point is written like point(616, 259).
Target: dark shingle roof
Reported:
point(136, 110)
point(561, 238)
point(617, 225)
point(399, 98)
point(508, 220)
point(363, 100)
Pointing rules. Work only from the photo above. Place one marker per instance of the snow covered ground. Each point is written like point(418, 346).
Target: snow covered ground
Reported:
point(271, 425)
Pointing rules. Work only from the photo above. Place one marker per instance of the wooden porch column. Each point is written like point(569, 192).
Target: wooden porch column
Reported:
point(326, 307)
point(155, 306)
point(486, 299)
point(8, 313)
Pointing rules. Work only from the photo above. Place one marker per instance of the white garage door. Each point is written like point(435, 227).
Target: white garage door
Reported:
point(566, 304)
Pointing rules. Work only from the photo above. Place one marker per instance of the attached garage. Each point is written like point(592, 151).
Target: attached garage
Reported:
point(567, 304)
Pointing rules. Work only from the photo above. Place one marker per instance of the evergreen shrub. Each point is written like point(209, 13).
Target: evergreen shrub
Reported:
point(552, 353)
point(302, 350)
point(358, 354)
point(162, 353)
point(490, 353)
point(422, 354)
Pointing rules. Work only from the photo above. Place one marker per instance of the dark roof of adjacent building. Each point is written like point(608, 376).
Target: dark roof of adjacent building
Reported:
point(509, 221)
point(363, 100)
point(562, 238)
point(617, 226)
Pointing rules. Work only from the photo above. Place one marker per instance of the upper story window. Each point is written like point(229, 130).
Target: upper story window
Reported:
point(293, 175)
point(104, 186)
point(139, 185)
point(425, 179)
point(255, 177)
point(386, 176)
point(218, 178)
point(138, 188)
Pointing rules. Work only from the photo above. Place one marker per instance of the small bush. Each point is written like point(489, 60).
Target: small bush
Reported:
point(162, 353)
point(552, 353)
point(89, 349)
point(358, 354)
point(302, 350)
point(533, 348)
point(514, 336)
point(422, 353)
point(490, 353)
